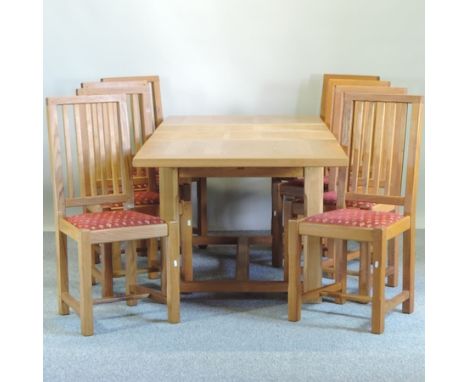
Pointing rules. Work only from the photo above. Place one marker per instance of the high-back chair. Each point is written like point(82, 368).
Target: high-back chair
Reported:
point(186, 204)
point(141, 125)
point(294, 207)
point(95, 127)
point(202, 188)
point(378, 128)
point(295, 188)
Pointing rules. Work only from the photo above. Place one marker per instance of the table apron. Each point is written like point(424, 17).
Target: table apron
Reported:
point(234, 172)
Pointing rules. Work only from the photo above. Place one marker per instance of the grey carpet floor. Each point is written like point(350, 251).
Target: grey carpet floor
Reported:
point(230, 337)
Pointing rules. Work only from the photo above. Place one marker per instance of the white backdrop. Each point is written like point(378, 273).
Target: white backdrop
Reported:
point(232, 57)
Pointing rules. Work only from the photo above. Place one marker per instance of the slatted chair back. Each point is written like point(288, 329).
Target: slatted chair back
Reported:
point(337, 120)
point(381, 129)
point(155, 91)
point(140, 115)
point(325, 86)
point(334, 82)
point(90, 151)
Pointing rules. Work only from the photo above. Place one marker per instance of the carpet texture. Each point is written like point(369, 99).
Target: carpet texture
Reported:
point(230, 337)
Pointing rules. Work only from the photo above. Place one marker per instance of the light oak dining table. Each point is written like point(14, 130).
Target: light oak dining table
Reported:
point(186, 147)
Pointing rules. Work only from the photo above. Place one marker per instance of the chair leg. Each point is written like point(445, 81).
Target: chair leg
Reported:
point(96, 251)
point(409, 263)
point(162, 261)
point(341, 267)
point(116, 258)
point(62, 270)
point(331, 254)
point(378, 279)
point(364, 269)
point(152, 257)
point(294, 282)
point(86, 298)
point(107, 287)
point(393, 249)
point(173, 272)
point(287, 214)
point(186, 240)
point(131, 271)
point(276, 223)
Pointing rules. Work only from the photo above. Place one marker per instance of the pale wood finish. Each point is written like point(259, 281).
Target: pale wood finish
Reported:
point(357, 107)
point(259, 144)
point(330, 83)
point(313, 204)
point(361, 164)
point(141, 124)
point(334, 82)
point(155, 90)
point(108, 152)
point(326, 86)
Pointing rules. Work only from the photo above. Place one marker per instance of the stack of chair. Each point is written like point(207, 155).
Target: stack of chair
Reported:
point(378, 131)
point(290, 193)
point(90, 151)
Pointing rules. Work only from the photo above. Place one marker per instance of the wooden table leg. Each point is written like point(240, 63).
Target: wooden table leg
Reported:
point(168, 209)
point(313, 204)
point(276, 224)
point(202, 195)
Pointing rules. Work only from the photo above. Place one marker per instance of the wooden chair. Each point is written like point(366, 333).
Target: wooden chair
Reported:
point(367, 122)
point(202, 188)
point(293, 206)
point(186, 191)
point(295, 188)
point(141, 124)
point(102, 137)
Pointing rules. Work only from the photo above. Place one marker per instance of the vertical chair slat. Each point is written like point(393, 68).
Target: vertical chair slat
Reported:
point(399, 145)
point(366, 147)
point(412, 175)
point(55, 157)
point(91, 162)
point(377, 147)
point(68, 152)
point(80, 148)
point(356, 144)
point(97, 150)
point(107, 143)
point(137, 127)
point(113, 152)
point(125, 160)
point(387, 149)
point(100, 148)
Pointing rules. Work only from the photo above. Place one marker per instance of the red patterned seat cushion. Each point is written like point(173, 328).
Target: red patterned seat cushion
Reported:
point(112, 219)
point(146, 197)
point(330, 198)
point(356, 218)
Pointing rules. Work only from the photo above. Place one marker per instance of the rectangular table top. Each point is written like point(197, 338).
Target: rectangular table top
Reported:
point(241, 141)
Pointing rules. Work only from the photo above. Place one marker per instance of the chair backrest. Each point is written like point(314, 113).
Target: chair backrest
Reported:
point(337, 122)
point(140, 111)
point(155, 90)
point(90, 155)
point(338, 101)
point(381, 129)
point(325, 85)
point(334, 82)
